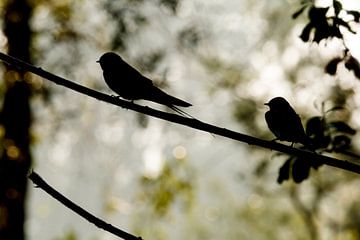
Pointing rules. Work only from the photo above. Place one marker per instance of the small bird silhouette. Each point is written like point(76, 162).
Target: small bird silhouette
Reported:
point(284, 122)
point(132, 85)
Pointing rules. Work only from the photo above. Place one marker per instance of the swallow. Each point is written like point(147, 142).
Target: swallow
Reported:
point(285, 123)
point(130, 84)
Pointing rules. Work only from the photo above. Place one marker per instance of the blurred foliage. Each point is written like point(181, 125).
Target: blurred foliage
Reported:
point(352, 223)
point(244, 111)
point(149, 62)
point(226, 75)
point(70, 235)
point(127, 20)
point(173, 185)
point(170, 4)
point(189, 37)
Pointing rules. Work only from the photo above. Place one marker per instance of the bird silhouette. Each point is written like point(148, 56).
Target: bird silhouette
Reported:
point(130, 84)
point(285, 123)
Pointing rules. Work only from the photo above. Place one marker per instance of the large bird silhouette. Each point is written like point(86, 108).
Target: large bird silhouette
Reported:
point(130, 84)
point(285, 123)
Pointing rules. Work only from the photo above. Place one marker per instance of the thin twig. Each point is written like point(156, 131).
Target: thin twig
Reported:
point(39, 182)
point(190, 122)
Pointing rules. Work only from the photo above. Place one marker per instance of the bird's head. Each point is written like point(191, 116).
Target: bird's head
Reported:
point(109, 60)
point(278, 103)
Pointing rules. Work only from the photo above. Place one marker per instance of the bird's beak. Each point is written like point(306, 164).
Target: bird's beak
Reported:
point(267, 104)
point(98, 61)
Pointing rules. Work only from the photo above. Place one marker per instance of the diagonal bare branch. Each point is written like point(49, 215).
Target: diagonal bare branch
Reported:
point(39, 182)
point(190, 122)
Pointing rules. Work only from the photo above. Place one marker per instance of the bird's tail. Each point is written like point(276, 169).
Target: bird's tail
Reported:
point(181, 112)
point(177, 101)
point(162, 97)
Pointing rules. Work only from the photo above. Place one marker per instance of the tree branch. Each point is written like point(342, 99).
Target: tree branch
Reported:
point(190, 122)
point(39, 182)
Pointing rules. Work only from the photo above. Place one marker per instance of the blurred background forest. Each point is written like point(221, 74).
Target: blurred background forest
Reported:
point(156, 179)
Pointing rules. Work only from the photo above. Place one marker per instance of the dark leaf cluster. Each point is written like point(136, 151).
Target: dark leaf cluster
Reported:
point(350, 63)
point(326, 136)
point(323, 24)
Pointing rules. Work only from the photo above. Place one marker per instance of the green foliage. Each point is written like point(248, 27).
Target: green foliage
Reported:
point(71, 235)
point(171, 186)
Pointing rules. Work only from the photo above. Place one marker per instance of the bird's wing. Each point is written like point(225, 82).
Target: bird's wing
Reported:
point(134, 77)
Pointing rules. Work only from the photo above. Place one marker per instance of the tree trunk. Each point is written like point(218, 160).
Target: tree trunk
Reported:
point(15, 118)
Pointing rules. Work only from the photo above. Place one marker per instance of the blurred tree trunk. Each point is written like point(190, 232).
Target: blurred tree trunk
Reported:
point(15, 118)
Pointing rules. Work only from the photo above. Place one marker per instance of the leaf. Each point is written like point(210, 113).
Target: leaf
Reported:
point(305, 34)
point(318, 21)
point(352, 64)
point(334, 31)
point(331, 67)
point(355, 14)
point(298, 12)
point(284, 171)
point(316, 164)
point(318, 15)
point(339, 21)
point(300, 170)
point(337, 7)
point(341, 142)
point(320, 34)
point(315, 129)
point(357, 72)
point(314, 126)
point(340, 126)
point(324, 31)
point(336, 108)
